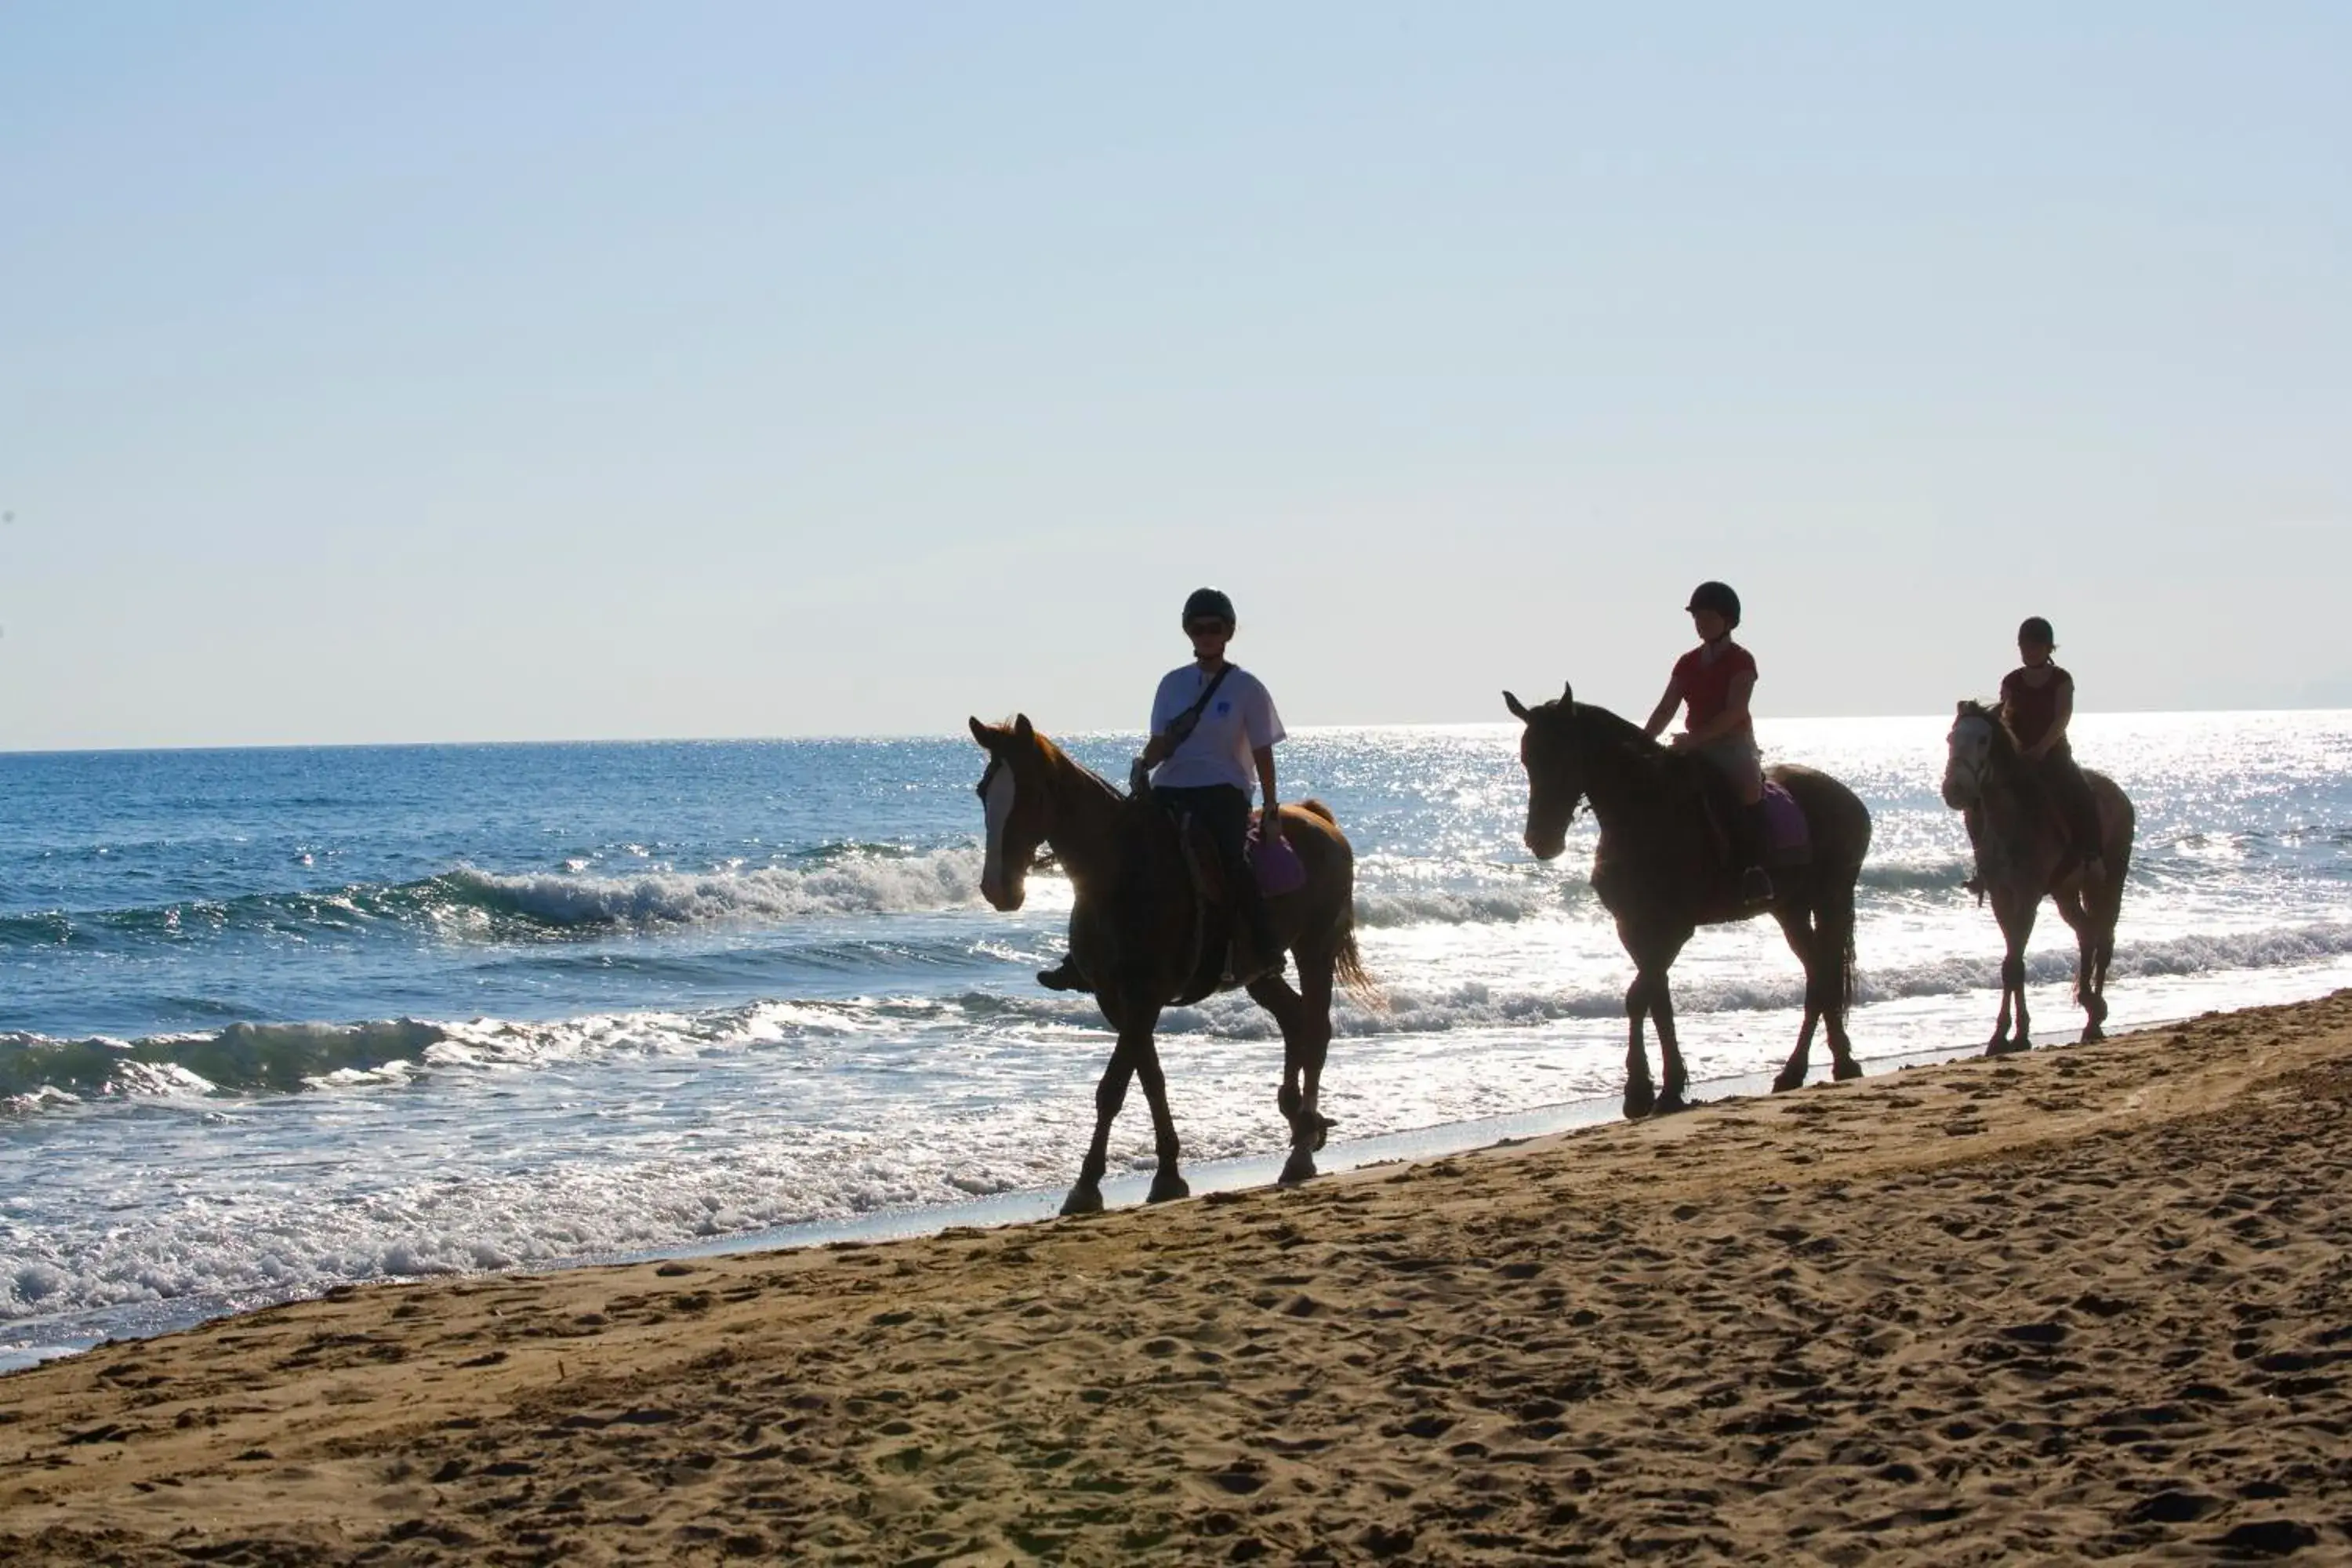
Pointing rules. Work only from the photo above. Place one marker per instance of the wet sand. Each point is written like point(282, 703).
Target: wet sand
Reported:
point(2082, 1303)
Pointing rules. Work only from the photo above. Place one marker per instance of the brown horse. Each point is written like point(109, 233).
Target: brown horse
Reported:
point(1663, 870)
point(2022, 854)
point(1139, 934)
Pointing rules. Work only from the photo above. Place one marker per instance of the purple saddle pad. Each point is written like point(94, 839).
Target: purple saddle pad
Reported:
point(1277, 866)
point(1784, 823)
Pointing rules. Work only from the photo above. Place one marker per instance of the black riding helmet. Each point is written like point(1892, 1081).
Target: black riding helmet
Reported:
point(2035, 629)
point(1718, 597)
point(1208, 605)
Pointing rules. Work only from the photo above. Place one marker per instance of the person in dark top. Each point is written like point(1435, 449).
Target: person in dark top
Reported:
point(1715, 680)
point(2037, 700)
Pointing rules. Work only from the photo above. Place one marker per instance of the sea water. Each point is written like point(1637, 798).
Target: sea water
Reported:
point(275, 1020)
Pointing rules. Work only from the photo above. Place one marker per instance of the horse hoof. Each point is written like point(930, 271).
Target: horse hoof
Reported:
point(1300, 1169)
point(1638, 1101)
point(2094, 1034)
point(1846, 1069)
point(2008, 1048)
point(1669, 1102)
point(1084, 1198)
point(1165, 1187)
point(1787, 1081)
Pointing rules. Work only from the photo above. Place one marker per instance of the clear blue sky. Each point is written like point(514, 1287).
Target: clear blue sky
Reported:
point(532, 370)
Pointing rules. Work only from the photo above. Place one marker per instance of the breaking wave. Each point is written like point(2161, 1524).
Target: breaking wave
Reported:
point(856, 880)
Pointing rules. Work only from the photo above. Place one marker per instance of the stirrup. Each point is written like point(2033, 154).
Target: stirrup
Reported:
point(1063, 976)
point(1755, 886)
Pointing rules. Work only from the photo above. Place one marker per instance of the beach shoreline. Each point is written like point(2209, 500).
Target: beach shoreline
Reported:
point(2086, 1301)
point(39, 1342)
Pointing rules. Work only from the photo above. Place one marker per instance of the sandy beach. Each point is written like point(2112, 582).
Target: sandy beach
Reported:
point(2084, 1303)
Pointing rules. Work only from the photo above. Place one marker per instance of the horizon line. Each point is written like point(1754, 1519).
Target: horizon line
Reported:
point(837, 736)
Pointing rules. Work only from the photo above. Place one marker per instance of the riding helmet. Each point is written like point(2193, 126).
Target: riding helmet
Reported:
point(1718, 597)
point(1209, 605)
point(2036, 629)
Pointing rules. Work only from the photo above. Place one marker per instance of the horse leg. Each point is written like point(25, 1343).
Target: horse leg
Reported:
point(1167, 1182)
point(2071, 910)
point(1639, 1094)
point(1833, 969)
point(2016, 927)
point(1673, 1092)
point(1795, 927)
point(1109, 1095)
point(1305, 1038)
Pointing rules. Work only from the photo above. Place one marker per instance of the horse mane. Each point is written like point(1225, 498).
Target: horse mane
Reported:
point(2007, 753)
point(1061, 761)
point(1614, 729)
point(1618, 729)
point(2008, 758)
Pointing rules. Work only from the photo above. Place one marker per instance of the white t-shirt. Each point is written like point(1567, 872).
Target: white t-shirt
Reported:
point(1238, 720)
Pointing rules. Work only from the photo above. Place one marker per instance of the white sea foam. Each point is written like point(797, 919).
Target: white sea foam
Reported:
point(865, 885)
point(37, 1073)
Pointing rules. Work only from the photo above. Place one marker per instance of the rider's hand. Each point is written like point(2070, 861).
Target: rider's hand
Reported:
point(1679, 741)
point(1269, 826)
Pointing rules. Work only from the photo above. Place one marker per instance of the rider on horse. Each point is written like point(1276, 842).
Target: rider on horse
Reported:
point(1715, 680)
point(1214, 730)
point(2037, 699)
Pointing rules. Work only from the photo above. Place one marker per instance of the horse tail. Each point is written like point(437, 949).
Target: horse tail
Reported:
point(1348, 967)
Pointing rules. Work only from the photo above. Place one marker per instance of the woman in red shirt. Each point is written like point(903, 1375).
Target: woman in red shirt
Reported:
point(1715, 680)
point(2037, 700)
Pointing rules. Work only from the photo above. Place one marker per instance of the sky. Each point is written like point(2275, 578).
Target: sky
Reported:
point(430, 372)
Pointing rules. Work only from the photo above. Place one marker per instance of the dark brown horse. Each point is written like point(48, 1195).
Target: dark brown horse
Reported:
point(1138, 935)
point(2022, 854)
point(1664, 869)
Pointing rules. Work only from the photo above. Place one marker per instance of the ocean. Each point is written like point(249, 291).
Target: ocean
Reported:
point(276, 1020)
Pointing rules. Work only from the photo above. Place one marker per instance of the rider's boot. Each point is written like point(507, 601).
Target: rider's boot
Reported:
point(1065, 975)
point(1755, 882)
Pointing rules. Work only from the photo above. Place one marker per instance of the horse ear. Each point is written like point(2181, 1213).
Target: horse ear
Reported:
point(983, 734)
point(1517, 706)
point(1960, 708)
point(1020, 729)
point(1567, 694)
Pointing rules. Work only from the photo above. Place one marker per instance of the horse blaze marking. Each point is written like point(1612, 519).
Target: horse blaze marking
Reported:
point(998, 810)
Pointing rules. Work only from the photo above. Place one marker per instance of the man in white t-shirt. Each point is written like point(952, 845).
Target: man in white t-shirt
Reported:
point(1214, 730)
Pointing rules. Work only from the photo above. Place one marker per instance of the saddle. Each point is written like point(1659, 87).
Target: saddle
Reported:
point(1788, 842)
point(1218, 960)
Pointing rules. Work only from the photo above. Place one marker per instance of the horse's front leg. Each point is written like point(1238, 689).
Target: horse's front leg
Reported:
point(1166, 1183)
point(1109, 1095)
point(2016, 930)
point(1673, 1092)
point(1639, 1094)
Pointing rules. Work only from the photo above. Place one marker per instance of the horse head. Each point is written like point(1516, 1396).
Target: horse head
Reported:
point(1013, 798)
point(1555, 764)
point(1968, 753)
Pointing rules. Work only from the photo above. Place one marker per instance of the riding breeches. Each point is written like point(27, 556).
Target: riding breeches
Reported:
point(2072, 791)
point(1224, 811)
point(1738, 760)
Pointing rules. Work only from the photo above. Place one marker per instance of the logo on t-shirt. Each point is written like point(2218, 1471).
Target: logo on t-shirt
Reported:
point(1226, 706)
